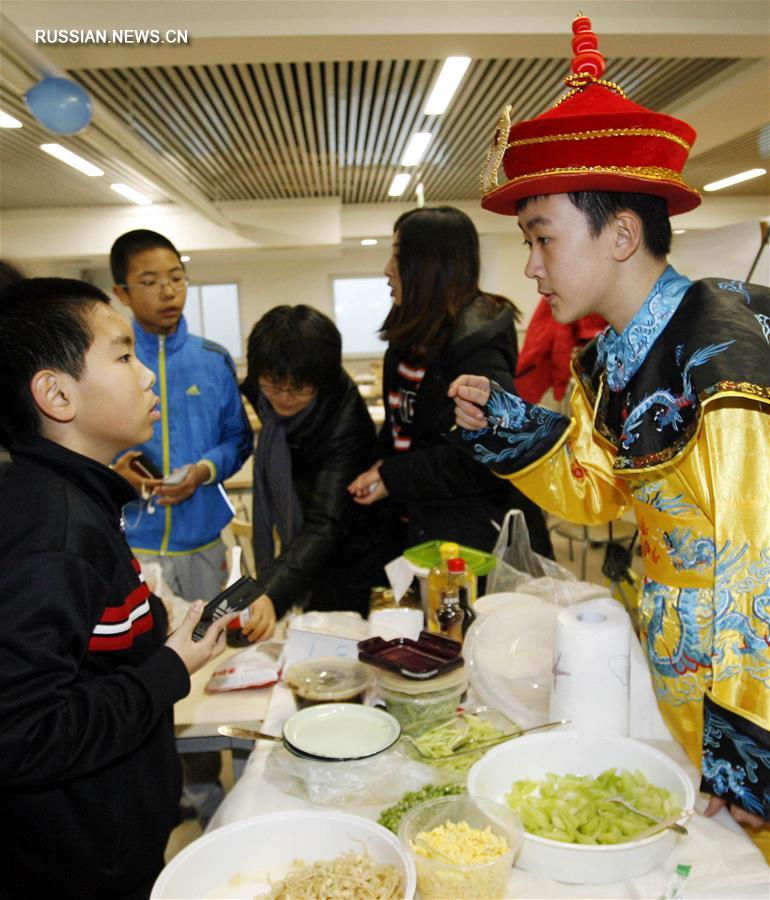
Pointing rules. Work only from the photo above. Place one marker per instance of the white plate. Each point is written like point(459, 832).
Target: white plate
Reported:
point(509, 652)
point(341, 731)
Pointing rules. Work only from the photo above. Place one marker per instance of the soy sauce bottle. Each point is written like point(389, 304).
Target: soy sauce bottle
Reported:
point(450, 615)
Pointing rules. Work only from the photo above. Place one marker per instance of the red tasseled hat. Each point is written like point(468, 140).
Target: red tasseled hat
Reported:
point(593, 139)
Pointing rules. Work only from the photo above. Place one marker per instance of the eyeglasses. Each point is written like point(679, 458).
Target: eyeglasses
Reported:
point(177, 284)
point(274, 390)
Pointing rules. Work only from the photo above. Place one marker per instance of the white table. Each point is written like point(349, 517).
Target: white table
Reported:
point(725, 863)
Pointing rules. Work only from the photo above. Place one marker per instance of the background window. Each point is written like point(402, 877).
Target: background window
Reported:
point(213, 311)
point(360, 307)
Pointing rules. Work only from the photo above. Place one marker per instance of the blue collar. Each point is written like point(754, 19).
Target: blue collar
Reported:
point(150, 342)
point(622, 354)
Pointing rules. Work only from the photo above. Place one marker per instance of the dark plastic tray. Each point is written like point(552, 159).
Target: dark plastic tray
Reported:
point(430, 655)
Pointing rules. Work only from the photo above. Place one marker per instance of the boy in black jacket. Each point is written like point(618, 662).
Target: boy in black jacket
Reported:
point(89, 776)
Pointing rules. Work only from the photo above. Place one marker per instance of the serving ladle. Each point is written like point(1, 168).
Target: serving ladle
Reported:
point(484, 745)
point(659, 824)
point(234, 731)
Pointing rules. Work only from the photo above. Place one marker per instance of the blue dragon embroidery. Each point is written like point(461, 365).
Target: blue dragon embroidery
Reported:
point(688, 552)
point(737, 287)
point(689, 654)
point(507, 411)
point(729, 779)
point(651, 493)
point(670, 402)
point(764, 324)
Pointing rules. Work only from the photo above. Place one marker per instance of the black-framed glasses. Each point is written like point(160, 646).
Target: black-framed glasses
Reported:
point(275, 390)
point(177, 283)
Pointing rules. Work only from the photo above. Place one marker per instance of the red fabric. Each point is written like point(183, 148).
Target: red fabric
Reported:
point(544, 360)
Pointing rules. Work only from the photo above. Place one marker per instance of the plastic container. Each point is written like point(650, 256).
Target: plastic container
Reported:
point(438, 879)
point(427, 555)
point(419, 704)
point(327, 680)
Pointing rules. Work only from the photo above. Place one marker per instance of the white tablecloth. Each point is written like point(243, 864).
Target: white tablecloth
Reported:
point(725, 863)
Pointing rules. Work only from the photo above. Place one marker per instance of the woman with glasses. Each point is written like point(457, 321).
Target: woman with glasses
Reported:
point(312, 545)
point(441, 324)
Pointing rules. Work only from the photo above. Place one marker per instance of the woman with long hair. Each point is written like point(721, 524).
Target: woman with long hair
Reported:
point(441, 324)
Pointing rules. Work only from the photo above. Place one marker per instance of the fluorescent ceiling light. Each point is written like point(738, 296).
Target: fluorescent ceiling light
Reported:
point(130, 194)
point(7, 121)
point(449, 79)
point(415, 149)
point(399, 183)
point(72, 159)
point(369, 242)
point(185, 258)
point(734, 179)
point(679, 230)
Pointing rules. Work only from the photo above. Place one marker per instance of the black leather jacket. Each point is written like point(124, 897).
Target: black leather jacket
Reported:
point(335, 558)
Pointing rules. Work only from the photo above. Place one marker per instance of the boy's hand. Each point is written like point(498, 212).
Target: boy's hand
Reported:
point(171, 494)
point(471, 395)
point(261, 623)
point(143, 486)
point(368, 487)
point(747, 819)
point(195, 654)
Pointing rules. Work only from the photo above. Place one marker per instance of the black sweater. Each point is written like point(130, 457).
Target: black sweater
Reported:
point(445, 494)
point(89, 776)
point(337, 555)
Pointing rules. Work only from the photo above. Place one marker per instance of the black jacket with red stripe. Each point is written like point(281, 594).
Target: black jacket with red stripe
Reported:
point(89, 776)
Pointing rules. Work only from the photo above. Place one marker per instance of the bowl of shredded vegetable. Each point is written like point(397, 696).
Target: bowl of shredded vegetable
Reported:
point(565, 790)
point(297, 853)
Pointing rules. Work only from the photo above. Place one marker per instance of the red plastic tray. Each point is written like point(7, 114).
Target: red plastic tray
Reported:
point(430, 655)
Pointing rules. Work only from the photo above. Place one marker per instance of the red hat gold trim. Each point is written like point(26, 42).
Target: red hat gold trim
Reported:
point(593, 139)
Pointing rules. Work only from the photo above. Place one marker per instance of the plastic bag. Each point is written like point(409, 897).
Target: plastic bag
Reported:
point(378, 781)
point(255, 667)
point(519, 569)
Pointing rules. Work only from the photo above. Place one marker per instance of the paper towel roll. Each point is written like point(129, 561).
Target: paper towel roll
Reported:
point(591, 655)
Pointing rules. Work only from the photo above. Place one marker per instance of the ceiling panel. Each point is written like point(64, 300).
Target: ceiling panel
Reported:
point(31, 179)
point(321, 129)
point(265, 131)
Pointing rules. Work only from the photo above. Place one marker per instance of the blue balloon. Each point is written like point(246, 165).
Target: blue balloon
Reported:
point(60, 105)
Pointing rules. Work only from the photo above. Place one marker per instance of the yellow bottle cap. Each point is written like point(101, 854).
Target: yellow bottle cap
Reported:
point(448, 550)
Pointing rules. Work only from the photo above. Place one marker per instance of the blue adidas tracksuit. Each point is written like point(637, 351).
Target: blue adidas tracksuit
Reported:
point(202, 419)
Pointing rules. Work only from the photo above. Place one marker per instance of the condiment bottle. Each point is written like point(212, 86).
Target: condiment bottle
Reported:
point(459, 576)
point(450, 615)
point(437, 581)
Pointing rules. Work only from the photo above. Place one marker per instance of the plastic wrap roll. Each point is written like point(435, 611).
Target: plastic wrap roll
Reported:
point(590, 685)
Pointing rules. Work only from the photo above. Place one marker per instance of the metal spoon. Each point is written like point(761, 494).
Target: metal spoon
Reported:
point(660, 824)
point(484, 745)
point(235, 732)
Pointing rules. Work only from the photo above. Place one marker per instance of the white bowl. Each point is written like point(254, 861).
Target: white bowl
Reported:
point(534, 756)
point(490, 602)
point(263, 848)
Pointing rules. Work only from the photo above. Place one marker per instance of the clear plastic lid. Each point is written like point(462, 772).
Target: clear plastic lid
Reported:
point(327, 679)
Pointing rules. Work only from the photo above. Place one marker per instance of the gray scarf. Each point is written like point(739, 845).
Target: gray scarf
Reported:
point(275, 502)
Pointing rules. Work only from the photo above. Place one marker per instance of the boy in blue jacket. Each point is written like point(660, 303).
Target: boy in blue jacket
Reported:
point(203, 429)
point(203, 425)
point(89, 775)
